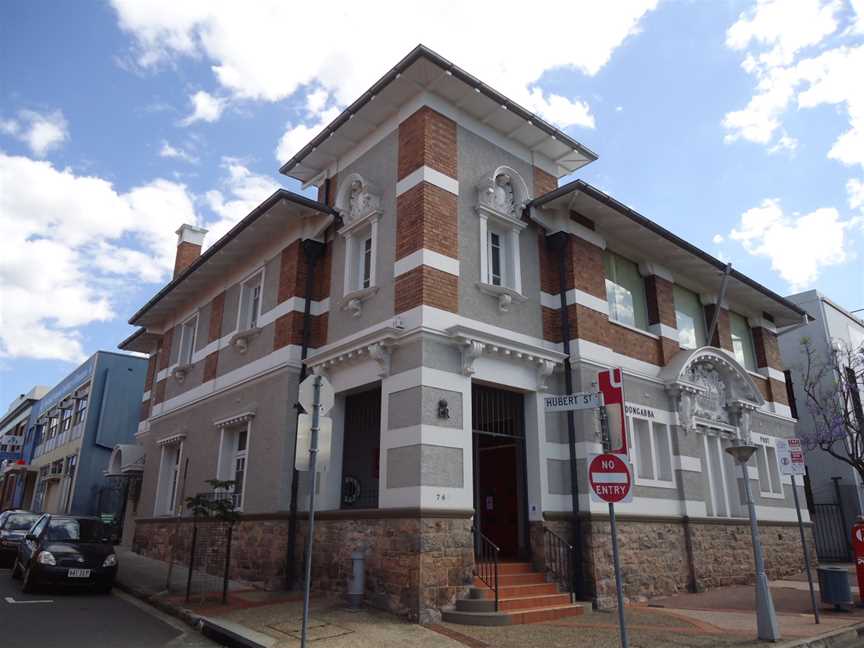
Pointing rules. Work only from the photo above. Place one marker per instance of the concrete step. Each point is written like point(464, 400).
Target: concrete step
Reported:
point(528, 578)
point(515, 591)
point(533, 602)
point(518, 617)
point(514, 568)
point(514, 617)
point(452, 615)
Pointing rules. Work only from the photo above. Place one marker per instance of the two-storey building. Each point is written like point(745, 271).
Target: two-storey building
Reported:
point(13, 426)
point(443, 282)
point(73, 429)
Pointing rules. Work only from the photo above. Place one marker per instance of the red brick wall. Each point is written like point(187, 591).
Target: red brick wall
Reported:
point(292, 273)
point(778, 391)
point(585, 268)
point(217, 311)
point(427, 138)
point(723, 336)
point(661, 301)
point(158, 393)
point(186, 254)
point(425, 285)
point(151, 371)
point(165, 349)
point(211, 365)
point(767, 349)
point(543, 182)
point(426, 219)
point(289, 330)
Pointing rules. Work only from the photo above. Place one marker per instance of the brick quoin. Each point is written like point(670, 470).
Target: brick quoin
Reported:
point(767, 349)
point(426, 218)
point(585, 268)
point(211, 365)
point(427, 138)
point(151, 371)
point(165, 350)
point(723, 336)
point(292, 273)
point(661, 301)
point(543, 182)
point(217, 311)
point(778, 391)
point(425, 285)
point(289, 330)
point(144, 413)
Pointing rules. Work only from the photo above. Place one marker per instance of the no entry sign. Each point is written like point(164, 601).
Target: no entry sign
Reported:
point(610, 478)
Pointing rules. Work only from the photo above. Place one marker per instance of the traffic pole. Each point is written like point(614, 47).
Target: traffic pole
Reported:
point(619, 590)
point(313, 455)
point(806, 552)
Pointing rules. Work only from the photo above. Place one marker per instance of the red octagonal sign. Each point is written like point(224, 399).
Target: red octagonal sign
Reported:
point(609, 476)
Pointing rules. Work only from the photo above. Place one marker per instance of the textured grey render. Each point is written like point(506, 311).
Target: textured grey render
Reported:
point(558, 476)
point(270, 289)
point(478, 159)
point(377, 166)
point(829, 324)
point(424, 465)
point(418, 405)
point(270, 442)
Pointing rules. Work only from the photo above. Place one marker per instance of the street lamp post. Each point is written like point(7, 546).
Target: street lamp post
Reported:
point(766, 617)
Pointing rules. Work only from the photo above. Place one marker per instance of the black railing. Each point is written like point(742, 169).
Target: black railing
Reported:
point(486, 562)
point(829, 533)
point(559, 556)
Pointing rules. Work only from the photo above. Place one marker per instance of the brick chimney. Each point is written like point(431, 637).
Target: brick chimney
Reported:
point(189, 241)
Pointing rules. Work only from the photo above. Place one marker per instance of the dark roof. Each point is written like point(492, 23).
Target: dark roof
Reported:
point(278, 195)
point(421, 51)
point(609, 201)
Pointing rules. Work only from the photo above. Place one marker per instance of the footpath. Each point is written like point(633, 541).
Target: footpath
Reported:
point(261, 619)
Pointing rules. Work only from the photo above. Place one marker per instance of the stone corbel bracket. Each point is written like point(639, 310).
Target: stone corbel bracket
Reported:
point(353, 302)
point(380, 353)
point(179, 372)
point(471, 350)
point(684, 394)
point(544, 370)
point(743, 411)
point(241, 339)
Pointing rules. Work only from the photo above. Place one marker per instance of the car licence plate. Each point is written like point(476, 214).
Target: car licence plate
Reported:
point(79, 573)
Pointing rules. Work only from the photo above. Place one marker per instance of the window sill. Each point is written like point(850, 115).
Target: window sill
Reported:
point(655, 483)
point(505, 296)
point(240, 340)
point(775, 496)
point(353, 301)
point(634, 329)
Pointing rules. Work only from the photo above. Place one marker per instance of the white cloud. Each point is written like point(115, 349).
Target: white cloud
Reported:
point(785, 143)
point(241, 191)
point(797, 246)
point(205, 107)
point(718, 238)
point(72, 244)
point(41, 132)
point(855, 191)
point(169, 151)
point(297, 136)
point(237, 39)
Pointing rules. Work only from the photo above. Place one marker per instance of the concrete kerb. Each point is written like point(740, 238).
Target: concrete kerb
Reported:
point(842, 638)
point(184, 614)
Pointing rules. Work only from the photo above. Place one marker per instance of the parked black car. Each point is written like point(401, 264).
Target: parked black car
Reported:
point(14, 524)
point(66, 550)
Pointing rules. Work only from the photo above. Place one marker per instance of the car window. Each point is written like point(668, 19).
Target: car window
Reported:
point(20, 521)
point(3, 517)
point(72, 530)
point(39, 527)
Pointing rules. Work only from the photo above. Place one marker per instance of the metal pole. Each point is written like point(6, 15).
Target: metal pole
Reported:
point(191, 561)
point(766, 617)
point(227, 563)
point(619, 590)
point(806, 552)
point(720, 297)
point(313, 455)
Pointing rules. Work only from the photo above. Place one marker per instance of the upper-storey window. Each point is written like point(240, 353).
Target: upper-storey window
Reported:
point(625, 291)
point(81, 409)
point(67, 418)
point(690, 318)
point(742, 341)
point(360, 207)
point(250, 301)
point(187, 340)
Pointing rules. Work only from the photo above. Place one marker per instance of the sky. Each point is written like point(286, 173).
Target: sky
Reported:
point(738, 125)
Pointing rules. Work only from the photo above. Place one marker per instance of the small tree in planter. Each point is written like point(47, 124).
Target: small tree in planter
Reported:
point(204, 505)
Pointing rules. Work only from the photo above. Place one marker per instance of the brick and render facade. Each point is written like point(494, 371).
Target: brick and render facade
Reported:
point(435, 312)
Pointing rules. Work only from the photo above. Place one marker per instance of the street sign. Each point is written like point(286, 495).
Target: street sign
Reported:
point(611, 383)
point(306, 395)
point(791, 457)
point(611, 479)
point(577, 401)
point(304, 437)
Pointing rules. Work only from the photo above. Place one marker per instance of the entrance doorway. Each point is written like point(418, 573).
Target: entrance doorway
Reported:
point(500, 502)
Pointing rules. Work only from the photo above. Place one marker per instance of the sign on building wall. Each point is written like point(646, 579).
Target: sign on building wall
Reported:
point(568, 402)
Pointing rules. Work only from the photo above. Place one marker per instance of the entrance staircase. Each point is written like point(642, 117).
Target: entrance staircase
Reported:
point(524, 596)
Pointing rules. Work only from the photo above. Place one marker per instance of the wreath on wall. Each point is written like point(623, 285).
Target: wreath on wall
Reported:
point(350, 489)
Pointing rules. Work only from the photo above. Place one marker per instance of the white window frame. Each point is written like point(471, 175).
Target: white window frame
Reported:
point(643, 306)
point(748, 340)
point(508, 231)
point(226, 461)
point(169, 478)
point(635, 455)
point(698, 322)
point(721, 488)
point(356, 235)
point(253, 320)
point(184, 327)
point(773, 478)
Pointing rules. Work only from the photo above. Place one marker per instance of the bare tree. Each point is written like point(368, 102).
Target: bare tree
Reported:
point(833, 385)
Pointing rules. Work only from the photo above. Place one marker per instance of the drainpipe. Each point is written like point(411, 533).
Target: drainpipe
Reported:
point(558, 243)
point(312, 251)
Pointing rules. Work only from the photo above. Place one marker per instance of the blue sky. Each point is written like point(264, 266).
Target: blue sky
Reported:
point(738, 125)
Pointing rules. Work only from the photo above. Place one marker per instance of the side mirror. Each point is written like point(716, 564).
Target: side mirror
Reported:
point(30, 537)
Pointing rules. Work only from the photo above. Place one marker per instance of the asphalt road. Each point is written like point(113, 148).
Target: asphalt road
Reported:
point(74, 619)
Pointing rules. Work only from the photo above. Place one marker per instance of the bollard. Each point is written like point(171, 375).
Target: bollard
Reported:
point(357, 583)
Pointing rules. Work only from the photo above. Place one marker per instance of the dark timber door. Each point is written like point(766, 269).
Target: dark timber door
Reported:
point(500, 504)
point(360, 450)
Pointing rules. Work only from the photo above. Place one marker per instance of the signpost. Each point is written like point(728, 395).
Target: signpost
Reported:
point(317, 397)
point(791, 458)
point(611, 382)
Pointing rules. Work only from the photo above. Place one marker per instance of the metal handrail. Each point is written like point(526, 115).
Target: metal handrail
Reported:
point(486, 558)
point(559, 559)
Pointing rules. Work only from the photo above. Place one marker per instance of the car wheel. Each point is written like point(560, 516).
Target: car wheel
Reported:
point(28, 586)
point(16, 569)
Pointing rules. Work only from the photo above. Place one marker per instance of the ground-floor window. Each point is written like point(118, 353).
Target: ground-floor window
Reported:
point(769, 471)
point(233, 454)
point(167, 490)
point(652, 452)
point(721, 484)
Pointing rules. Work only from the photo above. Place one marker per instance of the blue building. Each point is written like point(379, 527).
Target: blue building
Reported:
point(72, 431)
point(13, 427)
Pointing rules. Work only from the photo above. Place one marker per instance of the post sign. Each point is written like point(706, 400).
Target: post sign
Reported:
point(304, 436)
point(326, 397)
point(611, 479)
point(611, 382)
point(577, 401)
point(791, 457)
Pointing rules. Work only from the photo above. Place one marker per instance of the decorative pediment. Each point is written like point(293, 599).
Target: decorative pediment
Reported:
point(357, 201)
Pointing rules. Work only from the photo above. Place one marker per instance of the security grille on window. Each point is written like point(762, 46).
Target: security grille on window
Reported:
point(250, 302)
point(625, 291)
point(233, 453)
point(742, 341)
point(187, 340)
point(769, 471)
point(653, 452)
point(690, 318)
